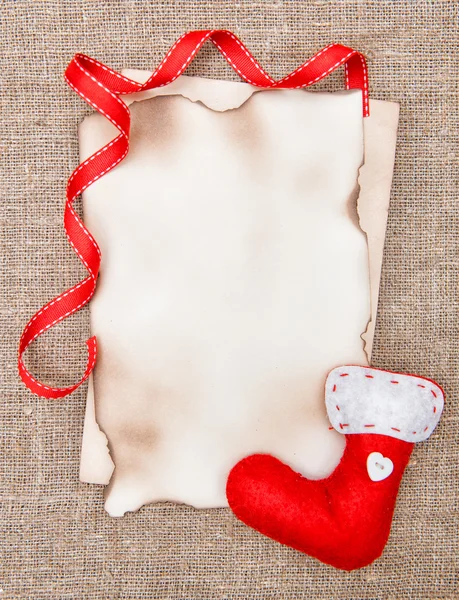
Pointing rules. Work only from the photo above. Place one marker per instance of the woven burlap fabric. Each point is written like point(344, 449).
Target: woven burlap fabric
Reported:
point(56, 540)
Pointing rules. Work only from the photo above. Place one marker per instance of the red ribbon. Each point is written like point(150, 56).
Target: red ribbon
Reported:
point(101, 88)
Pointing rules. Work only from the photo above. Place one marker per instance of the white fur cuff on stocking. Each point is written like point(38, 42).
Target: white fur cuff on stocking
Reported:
point(367, 400)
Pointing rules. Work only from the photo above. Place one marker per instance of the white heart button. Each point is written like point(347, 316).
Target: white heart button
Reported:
point(379, 467)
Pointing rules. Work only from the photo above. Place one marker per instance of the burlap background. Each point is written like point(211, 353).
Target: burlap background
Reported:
point(56, 541)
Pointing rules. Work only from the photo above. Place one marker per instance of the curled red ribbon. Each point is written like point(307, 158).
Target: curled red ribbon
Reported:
point(101, 88)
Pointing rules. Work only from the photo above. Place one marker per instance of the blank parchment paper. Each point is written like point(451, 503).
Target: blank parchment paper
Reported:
point(235, 274)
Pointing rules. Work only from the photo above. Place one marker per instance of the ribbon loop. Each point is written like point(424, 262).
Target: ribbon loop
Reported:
point(101, 88)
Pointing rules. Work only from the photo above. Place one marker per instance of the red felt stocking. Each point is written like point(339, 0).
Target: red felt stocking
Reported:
point(345, 519)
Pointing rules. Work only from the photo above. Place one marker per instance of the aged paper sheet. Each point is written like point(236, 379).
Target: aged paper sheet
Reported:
point(235, 275)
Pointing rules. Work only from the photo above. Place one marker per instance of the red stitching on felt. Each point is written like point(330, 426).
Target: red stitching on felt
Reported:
point(342, 425)
point(413, 375)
